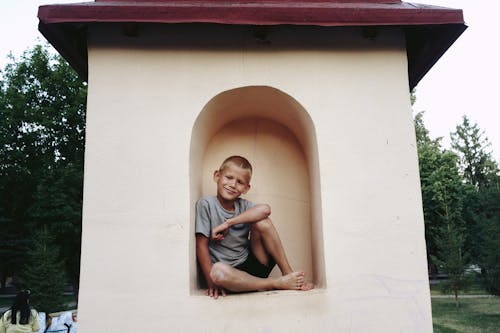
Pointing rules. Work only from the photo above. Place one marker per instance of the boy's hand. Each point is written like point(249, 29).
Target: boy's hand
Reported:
point(219, 232)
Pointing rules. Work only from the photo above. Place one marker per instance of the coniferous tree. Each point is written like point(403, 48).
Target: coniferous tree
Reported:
point(472, 146)
point(442, 198)
point(451, 256)
point(488, 221)
point(43, 273)
point(481, 199)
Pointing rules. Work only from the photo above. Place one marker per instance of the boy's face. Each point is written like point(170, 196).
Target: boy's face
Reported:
point(232, 181)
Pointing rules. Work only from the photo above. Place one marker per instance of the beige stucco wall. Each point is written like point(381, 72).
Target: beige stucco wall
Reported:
point(335, 107)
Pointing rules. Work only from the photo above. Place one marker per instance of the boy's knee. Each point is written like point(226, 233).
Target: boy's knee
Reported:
point(219, 273)
point(265, 209)
point(263, 225)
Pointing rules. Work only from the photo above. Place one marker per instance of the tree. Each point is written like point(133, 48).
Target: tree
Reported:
point(481, 199)
point(42, 131)
point(471, 145)
point(58, 204)
point(429, 156)
point(442, 198)
point(461, 201)
point(452, 258)
point(489, 249)
point(43, 273)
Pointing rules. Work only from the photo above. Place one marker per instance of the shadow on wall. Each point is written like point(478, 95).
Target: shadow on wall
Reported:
point(276, 134)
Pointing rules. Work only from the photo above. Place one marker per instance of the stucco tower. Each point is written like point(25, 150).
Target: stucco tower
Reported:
point(314, 93)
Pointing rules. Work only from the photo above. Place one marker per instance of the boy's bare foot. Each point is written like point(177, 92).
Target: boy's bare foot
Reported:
point(307, 286)
point(292, 281)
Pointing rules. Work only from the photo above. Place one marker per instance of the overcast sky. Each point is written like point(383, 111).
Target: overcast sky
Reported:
point(461, 83)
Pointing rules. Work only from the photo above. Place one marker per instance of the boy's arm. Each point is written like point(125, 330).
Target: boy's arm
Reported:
point(253, 214)
point(205, 261)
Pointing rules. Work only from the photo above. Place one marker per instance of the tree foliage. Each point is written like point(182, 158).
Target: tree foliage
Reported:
point(461, 200)
point(489, 247)
point(471, 145)
point(42, 133)
point(482, 199)
point(442, 198)
point(429, 158)
point(449, 237)
point(43, 273)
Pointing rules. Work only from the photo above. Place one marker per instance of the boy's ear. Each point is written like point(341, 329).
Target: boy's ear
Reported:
point(216, 176)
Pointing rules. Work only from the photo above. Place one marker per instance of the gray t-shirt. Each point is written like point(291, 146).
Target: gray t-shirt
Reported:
point(233, 250)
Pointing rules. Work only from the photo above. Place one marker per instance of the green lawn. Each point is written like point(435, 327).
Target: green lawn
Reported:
point(475, 315)
point(474, 288)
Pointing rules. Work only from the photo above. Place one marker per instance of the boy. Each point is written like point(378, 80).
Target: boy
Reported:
point(237, 245)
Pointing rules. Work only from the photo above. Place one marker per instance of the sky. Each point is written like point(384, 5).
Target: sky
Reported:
point(461, 83)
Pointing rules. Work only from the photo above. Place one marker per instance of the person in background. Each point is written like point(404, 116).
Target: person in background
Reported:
point(64, 323)
point(20, 318)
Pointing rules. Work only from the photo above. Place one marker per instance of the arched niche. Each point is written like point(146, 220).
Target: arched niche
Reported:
point(277, 135)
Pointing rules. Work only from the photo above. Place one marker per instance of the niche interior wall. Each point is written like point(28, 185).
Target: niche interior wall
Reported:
point(273, 131)
point(315, 93)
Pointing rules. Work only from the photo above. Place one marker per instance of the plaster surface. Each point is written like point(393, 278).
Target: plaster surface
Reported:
point(156, 129)
point(281, 179)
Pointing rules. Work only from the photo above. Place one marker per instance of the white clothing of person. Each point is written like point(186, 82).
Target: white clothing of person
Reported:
point(6, 325)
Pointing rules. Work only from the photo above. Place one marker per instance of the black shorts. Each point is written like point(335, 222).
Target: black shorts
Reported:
point(254, 267)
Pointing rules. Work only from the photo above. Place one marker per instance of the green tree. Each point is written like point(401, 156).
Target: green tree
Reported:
point(483, 214)
point(489, 248)
point(442, 198)
point(58, 204)
point(447, 194)
point(42, 131)
point(472, 146)
point(413, 96)
point(429, 155)
point(481, 200)
point(461, 200)
point(43, 273)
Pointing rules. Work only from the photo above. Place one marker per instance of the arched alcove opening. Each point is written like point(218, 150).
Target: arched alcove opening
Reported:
point(277, 135)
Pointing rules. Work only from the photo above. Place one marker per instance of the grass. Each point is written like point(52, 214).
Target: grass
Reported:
point(473, 289)
point(475, 315)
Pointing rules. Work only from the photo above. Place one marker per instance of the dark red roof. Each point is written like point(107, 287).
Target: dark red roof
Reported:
point(429, 30)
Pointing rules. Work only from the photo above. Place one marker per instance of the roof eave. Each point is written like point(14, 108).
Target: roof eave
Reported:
point(429, 30)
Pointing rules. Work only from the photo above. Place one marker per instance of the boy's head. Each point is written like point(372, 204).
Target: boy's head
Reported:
point(233, 177)
point(238, 161)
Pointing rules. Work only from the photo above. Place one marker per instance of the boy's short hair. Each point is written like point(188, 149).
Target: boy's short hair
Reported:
point(239, 161)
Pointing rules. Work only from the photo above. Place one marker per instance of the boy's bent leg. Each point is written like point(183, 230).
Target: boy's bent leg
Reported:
point(235, 280)
point(265, 242)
